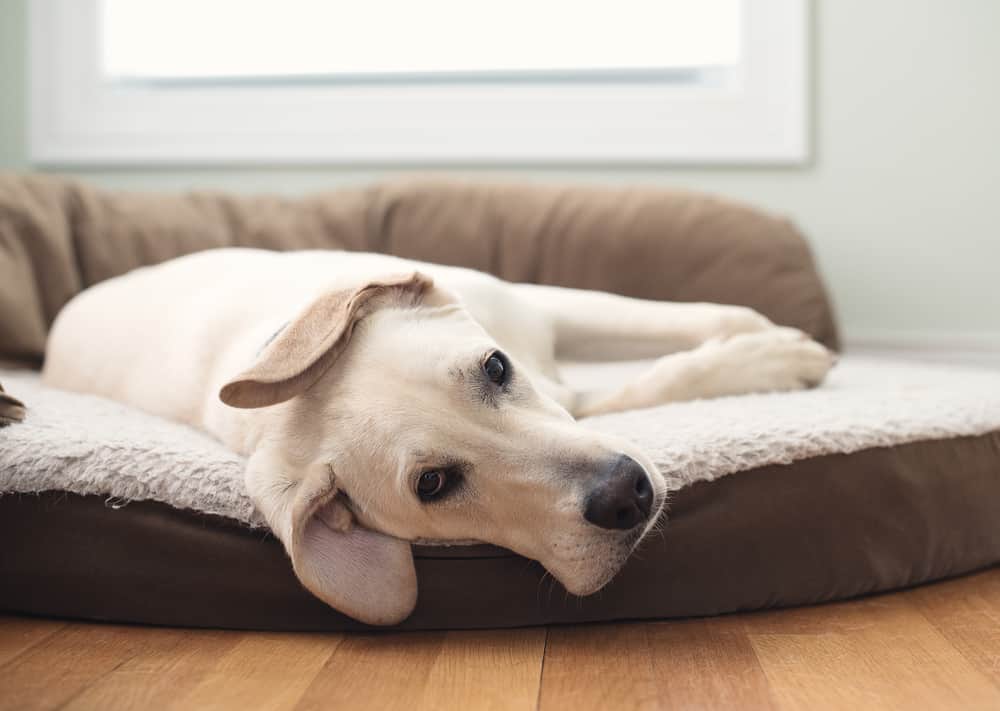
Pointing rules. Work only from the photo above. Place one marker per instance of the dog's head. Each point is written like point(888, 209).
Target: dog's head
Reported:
point(392, 416)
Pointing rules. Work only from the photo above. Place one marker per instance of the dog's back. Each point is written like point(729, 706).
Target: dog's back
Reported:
point(149, 338)
point(163, 338)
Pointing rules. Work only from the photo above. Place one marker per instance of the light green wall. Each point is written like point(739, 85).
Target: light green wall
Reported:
point(13, 89)
point(901, 200)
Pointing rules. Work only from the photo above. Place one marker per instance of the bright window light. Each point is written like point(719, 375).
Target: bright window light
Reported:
point(185, 40)
point(419, 82)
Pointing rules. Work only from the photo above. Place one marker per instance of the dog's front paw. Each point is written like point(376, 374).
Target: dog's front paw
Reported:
point(729, 321)
point(775, 359)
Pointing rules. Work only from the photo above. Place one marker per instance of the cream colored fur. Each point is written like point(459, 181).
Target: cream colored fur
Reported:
point(340, 409)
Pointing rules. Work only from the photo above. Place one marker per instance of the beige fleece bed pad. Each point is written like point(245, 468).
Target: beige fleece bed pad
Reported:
point(88, 445)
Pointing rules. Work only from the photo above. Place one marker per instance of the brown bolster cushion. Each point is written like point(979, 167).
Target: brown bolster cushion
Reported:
point(59, 236)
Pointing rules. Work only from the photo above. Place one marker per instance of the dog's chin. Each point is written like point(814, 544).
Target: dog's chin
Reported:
point(584, 583)
point(601, 572)
point(598, 574)
point(585, 587)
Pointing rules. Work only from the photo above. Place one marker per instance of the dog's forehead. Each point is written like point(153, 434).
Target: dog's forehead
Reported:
point(422, 343)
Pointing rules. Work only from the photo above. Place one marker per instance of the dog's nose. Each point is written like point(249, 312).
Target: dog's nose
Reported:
point(623, 497)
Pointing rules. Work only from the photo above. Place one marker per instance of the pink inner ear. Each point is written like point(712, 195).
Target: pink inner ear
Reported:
point(335, 515)
point(365, 574)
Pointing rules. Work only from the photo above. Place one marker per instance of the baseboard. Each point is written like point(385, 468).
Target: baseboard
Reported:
point(962, 347)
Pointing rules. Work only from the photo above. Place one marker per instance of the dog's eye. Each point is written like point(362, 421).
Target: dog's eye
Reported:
point(430, 484)
point(496, 369)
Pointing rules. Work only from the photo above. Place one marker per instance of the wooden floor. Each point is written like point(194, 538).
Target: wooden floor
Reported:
point(936, 647)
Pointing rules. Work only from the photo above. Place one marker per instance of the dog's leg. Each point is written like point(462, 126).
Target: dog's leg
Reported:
point(592, 325)
point(775, 359)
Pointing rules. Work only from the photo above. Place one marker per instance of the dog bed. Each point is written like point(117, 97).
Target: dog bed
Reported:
point(888, 475)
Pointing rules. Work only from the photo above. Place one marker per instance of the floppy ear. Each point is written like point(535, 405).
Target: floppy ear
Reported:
point(306, 348)
point(362, 573)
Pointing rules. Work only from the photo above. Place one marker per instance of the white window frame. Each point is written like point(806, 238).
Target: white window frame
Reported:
point(760, 117)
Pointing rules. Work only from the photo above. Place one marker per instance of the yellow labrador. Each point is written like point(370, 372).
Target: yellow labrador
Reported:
point(381, 401)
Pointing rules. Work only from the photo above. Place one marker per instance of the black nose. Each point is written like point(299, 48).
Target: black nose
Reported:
point(622, 498)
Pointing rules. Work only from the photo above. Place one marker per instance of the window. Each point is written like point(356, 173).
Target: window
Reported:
point(417, 81)
point(310, 39)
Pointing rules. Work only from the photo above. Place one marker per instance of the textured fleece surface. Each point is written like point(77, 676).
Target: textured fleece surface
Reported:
point(88, 445)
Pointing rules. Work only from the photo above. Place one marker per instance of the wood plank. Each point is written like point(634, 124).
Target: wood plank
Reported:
point(19, 634)
point(598, 667)
point(683, 664)
point(498, 669)
point(375, 671)
point(61, 666)
point(168, 665)
point(967, 613)
point(871, 653)
point(708, 664)
point(486, 670)
point(265, 671)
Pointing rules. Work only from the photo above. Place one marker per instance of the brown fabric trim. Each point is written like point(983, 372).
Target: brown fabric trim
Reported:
point(820, 529)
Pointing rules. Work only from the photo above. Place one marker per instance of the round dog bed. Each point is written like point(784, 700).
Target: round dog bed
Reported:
point(887, 476)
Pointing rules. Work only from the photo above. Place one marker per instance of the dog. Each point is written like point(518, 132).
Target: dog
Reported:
point(381, 401)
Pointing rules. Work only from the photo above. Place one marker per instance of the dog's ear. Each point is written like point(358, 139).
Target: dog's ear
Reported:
point(362, 573)
point(306, 348)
